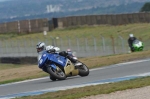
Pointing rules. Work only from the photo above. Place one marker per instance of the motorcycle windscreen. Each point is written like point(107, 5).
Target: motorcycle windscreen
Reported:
point(137, 43)
point(57, 59)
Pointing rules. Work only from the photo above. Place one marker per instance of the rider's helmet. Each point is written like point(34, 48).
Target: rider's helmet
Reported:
point(40, 46)
point(68, 50)
point(131, 35)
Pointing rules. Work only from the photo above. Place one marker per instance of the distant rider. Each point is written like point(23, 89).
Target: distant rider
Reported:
point(41, 47)
point(130, 41)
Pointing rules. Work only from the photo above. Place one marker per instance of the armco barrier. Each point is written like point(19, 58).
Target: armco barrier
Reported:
point(19, 60)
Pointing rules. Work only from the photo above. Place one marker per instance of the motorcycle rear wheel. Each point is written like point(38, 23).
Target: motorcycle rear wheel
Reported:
point(57, 74)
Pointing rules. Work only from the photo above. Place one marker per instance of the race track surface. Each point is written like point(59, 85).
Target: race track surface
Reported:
point(105, 74)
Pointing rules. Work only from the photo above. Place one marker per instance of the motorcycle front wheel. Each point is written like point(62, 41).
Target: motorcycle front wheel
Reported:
point(56, 73)
point(52, 78)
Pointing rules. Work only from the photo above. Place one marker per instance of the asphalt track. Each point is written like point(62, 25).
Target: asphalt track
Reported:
point(113, 73)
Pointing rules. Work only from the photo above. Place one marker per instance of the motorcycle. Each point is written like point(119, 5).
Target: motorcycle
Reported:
point(138, 45)
point(60, 67)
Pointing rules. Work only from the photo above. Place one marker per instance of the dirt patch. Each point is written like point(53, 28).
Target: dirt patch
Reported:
point(138, 93)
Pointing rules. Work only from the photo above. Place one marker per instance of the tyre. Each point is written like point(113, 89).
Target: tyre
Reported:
point(56, 73)
point(83, 70)
point(52, 78)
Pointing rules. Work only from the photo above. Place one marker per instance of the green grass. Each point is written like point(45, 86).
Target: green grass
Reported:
point(9, 66)
point(139, 30)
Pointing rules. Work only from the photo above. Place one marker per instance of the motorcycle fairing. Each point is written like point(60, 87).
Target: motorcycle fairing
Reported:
point(53, 57)
point(53, 65)
point(70, 69)
point(137, 45)
point(56, 58)
point(42, 60)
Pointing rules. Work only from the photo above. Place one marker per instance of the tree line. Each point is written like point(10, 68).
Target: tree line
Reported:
point(146, 7)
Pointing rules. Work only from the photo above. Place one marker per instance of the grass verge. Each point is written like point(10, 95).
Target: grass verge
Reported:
point(77, 93)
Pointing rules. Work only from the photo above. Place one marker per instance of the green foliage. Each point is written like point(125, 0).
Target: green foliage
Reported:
point(146, 7)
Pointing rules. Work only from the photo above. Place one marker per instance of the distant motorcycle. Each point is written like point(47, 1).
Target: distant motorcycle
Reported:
point(137, 45)
point(60, 67)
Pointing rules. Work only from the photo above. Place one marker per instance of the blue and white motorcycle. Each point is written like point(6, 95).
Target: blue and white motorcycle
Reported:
point(60, 67)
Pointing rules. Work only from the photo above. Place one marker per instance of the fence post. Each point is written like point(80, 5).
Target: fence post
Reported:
point(103, 40)
point(61, 42)
point(29, 26)
point(53, 42)
point(16, 48)
point(25, 46)
point(113, 44)
point(31, 45)
point(122, 43)
point(6, 47)
point(86, 44)
point(69, 43)
point(19, 27)
point(56, 40)
point(1, 47)
point(95, 45)
point(77, 39)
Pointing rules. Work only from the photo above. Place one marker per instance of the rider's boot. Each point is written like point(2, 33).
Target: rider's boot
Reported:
point(74, 61)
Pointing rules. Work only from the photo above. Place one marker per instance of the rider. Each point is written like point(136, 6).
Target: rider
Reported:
point(41, 47)
point(130, 41)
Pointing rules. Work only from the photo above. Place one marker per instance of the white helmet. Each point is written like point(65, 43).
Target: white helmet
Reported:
point(40, 46)
point(131, 35)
